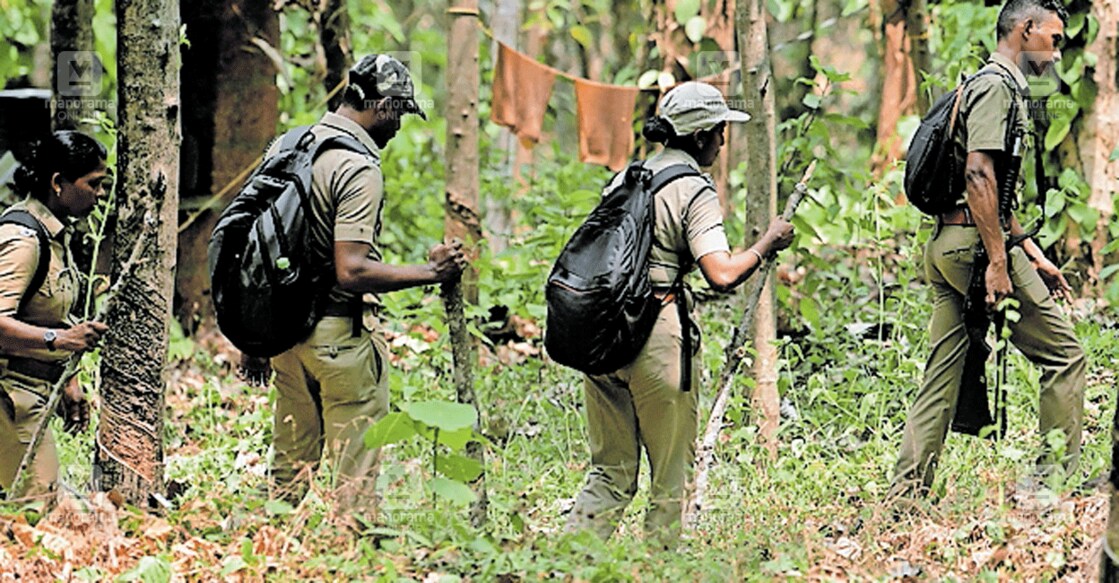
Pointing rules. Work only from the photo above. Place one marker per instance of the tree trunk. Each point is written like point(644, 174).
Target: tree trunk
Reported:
point(1100, 134)
point(71, 31)
point(506, 23)
point(899, 90)
point(917, 29)
point(337, 48)
point(461, 208)
point(221, 137)
point(761, 199)
point(129, 455)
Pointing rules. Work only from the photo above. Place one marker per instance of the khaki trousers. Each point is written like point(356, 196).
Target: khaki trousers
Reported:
point(638, 406)
point(1042, 334)
point(21, 410)
point(329, 390)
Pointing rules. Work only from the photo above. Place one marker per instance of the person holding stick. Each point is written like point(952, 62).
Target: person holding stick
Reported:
point(61, 177)
point(646, 403)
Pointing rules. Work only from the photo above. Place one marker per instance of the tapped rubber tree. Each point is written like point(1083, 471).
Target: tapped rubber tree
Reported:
point(129, 450)
point(71, 36)
point(761, 200)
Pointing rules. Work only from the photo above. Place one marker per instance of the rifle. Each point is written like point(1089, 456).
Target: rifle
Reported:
point(972, 410)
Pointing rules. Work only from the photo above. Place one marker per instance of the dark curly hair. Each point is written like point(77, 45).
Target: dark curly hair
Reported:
point(1014, 11)
point(70, 153)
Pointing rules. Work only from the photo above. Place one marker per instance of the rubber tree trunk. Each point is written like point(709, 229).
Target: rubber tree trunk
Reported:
point(917, 29)
point(506, 23)
point(1099, 134)
point(899, 87)
point(761, 199)
point(337, 47)
point(221, 136)
point(461, 209)
point(71, 31)
point(129, 455)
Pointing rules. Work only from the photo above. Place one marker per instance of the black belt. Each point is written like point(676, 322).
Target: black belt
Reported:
point(37, 369)
point(349, 310)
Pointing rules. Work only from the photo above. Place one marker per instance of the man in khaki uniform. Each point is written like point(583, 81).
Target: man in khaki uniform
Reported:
point(61, 177)
point(333, 386)
point(1029, 33)
point(643, 404)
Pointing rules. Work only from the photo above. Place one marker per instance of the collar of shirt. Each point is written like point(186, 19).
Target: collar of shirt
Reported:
point(1019, 76)
point(351, 127)
point(674, 156)
point(40, 211)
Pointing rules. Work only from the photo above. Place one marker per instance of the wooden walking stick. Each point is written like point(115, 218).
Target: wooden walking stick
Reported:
point(735, 352)
point(19, 483)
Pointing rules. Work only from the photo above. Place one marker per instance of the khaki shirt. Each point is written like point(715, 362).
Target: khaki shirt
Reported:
point(347, 196)
point(984, 113)
point(689, 219)
point(19, 257)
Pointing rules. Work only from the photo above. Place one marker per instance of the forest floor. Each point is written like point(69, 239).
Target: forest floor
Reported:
point(814, 512)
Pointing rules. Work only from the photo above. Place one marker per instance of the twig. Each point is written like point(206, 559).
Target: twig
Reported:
point(735, 352)
point(72, 363)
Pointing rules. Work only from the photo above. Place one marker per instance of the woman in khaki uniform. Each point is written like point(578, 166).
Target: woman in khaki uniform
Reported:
point(61, 178)
point(643, 404)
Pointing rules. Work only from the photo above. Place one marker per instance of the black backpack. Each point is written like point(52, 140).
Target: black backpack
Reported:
point(932, 178)
point(269, 288)
point(601, 307)
point(27, 220)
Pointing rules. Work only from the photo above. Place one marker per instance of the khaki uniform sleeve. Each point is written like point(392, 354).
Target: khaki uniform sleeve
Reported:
point(19, 256)
point(703, 224)
point(358, 188)
point(988, 109)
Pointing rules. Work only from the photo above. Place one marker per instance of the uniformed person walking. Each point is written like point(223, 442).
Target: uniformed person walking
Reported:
point(642, 405)
point(60, 177)
point(334, 385)
point(1030, 33)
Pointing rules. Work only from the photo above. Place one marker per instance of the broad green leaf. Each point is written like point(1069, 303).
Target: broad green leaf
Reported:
point(1075, 24)
point(665, 80)
point(1084, 215)
point(278, 507)
point(648, 79)
point(456, 492)
point(392, 428)
point(695, 28)
point(1054, 203)
point(1114, 155)
point(232, 564)
point(686, 9)
point(149, 570)
point(1111, 247)
point(459, 467)
point(1109, 271)
point(810, 311)
point(812, 101)
point(582, 35)
point(457, 439)
point(442, 414)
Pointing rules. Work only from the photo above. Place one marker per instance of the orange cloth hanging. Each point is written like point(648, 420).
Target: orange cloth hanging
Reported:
point(521, 89)
point(605, 122)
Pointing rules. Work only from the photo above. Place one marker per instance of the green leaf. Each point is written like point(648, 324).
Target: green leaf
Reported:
point(1054, 204)
point(812, 101)
point(392, 428)
point(582, 35)
point(232, 564)
point(456, 492)
point(695, 28)
point(1111, 247)
point(1109, 271)
point(1114, 155)
point(686, 9)
point(810, 311)
point(1084, 215)
point(457, 439)
point(442, 414)
point(648, 79)
point(149, 570)
point(278, 507)
point(459, 467)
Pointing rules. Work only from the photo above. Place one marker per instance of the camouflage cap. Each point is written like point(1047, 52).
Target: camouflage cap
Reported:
point(696, 106)
point(380, 76)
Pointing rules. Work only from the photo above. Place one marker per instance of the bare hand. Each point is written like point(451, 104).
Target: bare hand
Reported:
point(1054, 279)
point(998, 284)
point(81, 337)
point(254, 370)
point(447, 261)
point(779, 235)
point(75, 408)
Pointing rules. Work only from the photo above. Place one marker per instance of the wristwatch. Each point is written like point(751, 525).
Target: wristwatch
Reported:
point(49, 337)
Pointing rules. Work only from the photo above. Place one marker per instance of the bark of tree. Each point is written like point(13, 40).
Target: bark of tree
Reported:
point(221, 136)
point(129, 452)
point(899, 86)
point(506, 24)
point(71, 30)
point(917, 30)
point(761, 199)
point(1099, 135)
point(334, 33)
point(461, 209)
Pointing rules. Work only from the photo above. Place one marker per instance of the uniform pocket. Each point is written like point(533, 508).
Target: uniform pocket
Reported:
point(1026, 279)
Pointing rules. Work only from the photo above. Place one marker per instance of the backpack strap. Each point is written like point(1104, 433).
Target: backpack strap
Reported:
point(26, 219)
